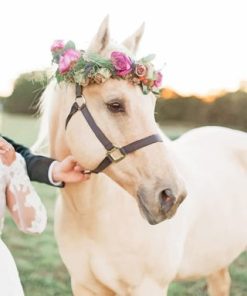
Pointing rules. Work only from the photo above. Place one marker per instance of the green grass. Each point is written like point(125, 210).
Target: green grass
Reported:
point(41, 269)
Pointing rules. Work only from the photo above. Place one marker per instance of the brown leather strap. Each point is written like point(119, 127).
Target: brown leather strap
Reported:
point(128, 149)
point(141, 143)
point(73, 110)
point(114, 154)
point(104, 164)
point(78, 90)
point(98, 132)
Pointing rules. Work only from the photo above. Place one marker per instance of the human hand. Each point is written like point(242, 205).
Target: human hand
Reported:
point(69, 171)
point(7, 152)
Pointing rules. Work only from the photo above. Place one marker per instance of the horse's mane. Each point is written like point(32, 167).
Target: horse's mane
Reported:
point(41, 144)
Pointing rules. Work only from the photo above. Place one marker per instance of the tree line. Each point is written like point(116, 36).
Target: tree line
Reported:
point(227, 110)
point(28, 88)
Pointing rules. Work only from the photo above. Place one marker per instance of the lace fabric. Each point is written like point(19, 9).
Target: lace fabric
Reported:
point(3, 184)
point(28, 212)
point(18, 194)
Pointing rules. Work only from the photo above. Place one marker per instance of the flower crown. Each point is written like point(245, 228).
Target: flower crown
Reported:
point(87, 68)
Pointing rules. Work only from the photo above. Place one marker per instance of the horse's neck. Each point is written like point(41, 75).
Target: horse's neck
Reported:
point(89, 195)
point(97, 201)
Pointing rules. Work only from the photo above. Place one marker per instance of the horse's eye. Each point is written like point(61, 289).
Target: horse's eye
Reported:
point(115, 107)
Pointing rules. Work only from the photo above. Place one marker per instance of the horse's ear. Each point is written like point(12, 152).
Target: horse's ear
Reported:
point(133, 41)
point(102, 38)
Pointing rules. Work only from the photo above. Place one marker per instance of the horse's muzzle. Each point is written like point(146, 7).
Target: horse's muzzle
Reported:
point(161, 207)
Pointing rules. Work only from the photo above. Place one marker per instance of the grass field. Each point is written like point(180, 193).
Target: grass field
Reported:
point(41, 270)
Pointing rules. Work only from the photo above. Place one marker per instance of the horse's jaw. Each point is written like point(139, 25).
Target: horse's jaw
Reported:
point(93, 195)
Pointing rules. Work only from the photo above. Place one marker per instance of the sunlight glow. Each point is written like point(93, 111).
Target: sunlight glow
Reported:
point(202, 43)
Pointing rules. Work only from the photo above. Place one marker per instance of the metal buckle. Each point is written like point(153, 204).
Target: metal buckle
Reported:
point(115, 154)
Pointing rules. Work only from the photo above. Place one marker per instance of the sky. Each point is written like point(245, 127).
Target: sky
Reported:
point(201, 44)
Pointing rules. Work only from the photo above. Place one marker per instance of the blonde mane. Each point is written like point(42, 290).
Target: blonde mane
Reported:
point(46, 102)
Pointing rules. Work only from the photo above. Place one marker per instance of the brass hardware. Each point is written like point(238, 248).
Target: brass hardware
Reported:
point(115, 154)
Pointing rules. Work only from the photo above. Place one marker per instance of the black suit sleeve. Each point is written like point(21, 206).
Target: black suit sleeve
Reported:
point(37, 165)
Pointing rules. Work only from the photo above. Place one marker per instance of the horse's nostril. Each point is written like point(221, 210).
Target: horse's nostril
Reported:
point(167, 199)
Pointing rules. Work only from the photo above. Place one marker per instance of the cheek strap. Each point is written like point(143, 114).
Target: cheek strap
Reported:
point(113, 153)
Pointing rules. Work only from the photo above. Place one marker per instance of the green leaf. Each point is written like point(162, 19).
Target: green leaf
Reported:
point(59, 77)
point(56, 57)
point(155, 90)
point(147, 59)
point(99, 60)
point(70, 44)
point(145, 89)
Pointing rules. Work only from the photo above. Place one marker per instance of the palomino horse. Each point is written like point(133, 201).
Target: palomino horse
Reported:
point(108, 247)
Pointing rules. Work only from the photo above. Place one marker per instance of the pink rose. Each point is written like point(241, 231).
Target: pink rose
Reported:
point(158, 80)
point(57, 45)
point(121, 63)
point(68, 59)
point(140, 70)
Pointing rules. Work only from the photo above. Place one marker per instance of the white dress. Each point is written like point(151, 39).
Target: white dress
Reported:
point(28, 212)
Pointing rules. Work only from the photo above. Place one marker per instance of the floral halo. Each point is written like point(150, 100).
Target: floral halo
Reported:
point(87, 68)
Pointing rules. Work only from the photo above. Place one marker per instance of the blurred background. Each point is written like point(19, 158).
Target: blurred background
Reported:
point(201, 47)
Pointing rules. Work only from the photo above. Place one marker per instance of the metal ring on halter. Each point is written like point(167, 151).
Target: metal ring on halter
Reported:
point(81, 101)
point(86, 172)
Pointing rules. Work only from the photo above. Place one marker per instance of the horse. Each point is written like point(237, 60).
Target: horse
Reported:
point(126, 231)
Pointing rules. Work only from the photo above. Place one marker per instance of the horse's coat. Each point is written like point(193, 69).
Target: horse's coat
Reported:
point(107, 246)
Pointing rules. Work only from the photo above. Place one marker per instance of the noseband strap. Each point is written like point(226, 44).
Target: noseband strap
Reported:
point(113, 154)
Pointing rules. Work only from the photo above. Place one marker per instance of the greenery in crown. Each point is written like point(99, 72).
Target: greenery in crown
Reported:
point(87, 68)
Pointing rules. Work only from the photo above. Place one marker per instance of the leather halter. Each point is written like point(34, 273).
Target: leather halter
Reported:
point(113, 153)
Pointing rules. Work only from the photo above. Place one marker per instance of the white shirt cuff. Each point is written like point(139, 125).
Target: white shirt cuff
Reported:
point(50, 175)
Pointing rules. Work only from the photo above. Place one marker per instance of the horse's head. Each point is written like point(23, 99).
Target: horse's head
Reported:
point(125, 115)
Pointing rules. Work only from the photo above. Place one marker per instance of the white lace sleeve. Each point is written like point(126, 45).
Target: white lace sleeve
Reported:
point(23, 202)
point(3, 185)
